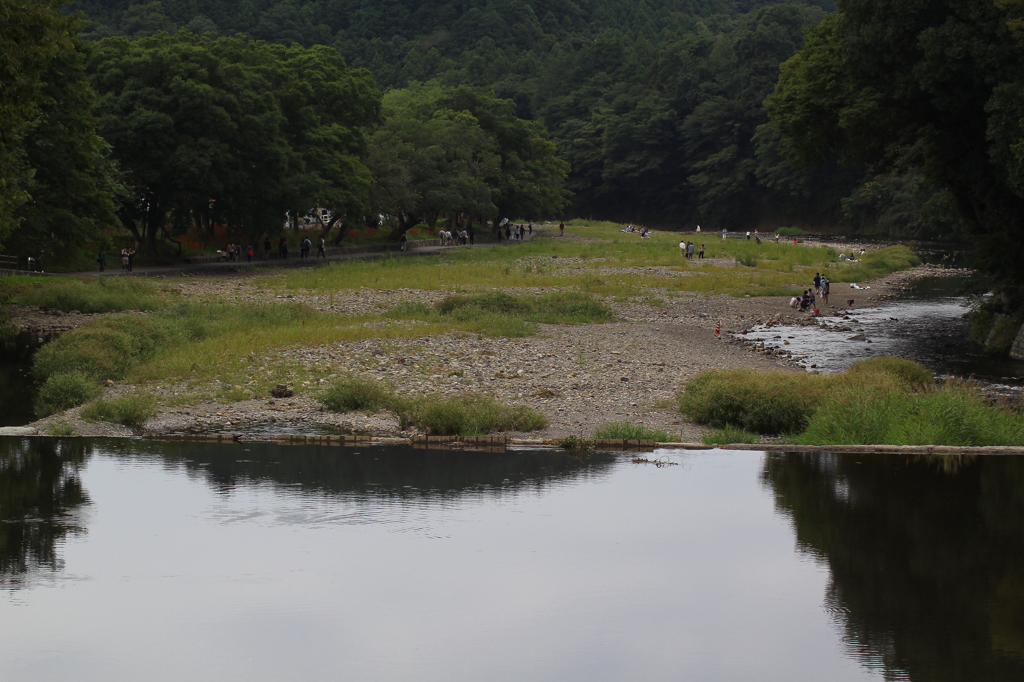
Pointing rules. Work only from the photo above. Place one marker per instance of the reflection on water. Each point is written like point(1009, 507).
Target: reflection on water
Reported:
point(41, 500)
point(926, 557)
point(268, 562)
point(17, 387)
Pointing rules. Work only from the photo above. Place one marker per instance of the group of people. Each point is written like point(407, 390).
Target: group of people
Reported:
point(643, 231)
point(517, 232)
point(686, 250)
point(806, 300)
point(461, 237)
point(127, 258)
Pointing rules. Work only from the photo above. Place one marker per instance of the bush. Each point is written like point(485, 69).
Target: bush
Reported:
point(790, 232)
point(466, 415)
point(130, 410)
point(763, 402)
point(64, 390)
point(353, 394)
point(628, 431)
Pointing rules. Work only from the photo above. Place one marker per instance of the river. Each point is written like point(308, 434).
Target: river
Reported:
point(129, 560)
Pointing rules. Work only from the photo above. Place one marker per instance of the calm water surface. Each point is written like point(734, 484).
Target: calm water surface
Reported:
point(123, 560)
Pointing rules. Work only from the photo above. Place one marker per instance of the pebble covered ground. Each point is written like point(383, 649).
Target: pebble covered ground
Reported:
point(579, 376)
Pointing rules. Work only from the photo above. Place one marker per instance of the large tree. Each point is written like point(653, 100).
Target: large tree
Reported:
point(930, 86)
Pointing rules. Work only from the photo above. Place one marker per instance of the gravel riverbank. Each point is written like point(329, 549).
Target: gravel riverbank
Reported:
point(579, 376)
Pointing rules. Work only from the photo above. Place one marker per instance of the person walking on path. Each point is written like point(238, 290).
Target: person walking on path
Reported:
point(689, 251)
point(282, 248)
point(124, 259)
point(248, 253)
point(817, 281)
point(824, 290)
point(472, 234)
point(682, 249)
point(131, 258)
point(723, 233)
point(321, 251)
point(404, 240)
point(307, 246)
point(700, 255)
point(266, 248)
point(561, 229)
point(102, 260)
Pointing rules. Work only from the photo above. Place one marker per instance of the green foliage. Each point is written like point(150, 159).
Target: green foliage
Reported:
point(729, 435)
point(882, 401)
point(64, 390)
point(901, 108)
point(763, 402)
point(107, 348)
point(231, 130)
point(351, 394)
point(955, 414)
point(789, 231)
point(465, 415)
point(130, 410)
point(629, 431)
point(99, 295)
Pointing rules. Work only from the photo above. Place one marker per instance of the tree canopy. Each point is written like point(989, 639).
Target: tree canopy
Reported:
point(933, 87)
point(232, 131)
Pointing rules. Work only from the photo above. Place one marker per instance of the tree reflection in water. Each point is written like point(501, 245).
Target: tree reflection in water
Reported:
point(926, 557)
point(41, 499)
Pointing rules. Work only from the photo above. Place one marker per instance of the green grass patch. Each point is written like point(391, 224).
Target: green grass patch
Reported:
point(60, 427)
point(789, 232)
point(64, 390)
point(95, 295)
point(630, 431)
point(500, 314)
point(729, 435)
point(130, 410)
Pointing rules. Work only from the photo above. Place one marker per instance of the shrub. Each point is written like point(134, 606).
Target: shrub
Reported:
point(64, 390)
point(353, 394)
point(763, 402)
point(628, 431)
point(465, 415)
point(60, 427)
point(790, 231)
point(130, 410)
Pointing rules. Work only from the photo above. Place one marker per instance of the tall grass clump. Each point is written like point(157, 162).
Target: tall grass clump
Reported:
point(351, 394)
point(107, 348)
point(630, 431)
point(500, 314)
point(762, 402)
point(954, 414)
point(64, 390)
point(465, 415)
point(99, 295)
point(130, 410)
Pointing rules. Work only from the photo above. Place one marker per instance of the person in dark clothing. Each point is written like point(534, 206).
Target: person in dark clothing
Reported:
point(266, 248)
point(282, 248)
point(102, 260)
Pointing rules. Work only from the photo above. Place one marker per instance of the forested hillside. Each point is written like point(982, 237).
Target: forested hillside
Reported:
point(656, 105)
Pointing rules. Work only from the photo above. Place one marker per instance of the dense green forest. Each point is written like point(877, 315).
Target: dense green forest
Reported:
point(898, 118)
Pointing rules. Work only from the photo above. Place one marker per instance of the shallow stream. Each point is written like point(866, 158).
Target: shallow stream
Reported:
point(925, 325)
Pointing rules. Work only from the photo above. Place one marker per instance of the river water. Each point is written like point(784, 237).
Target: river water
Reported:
point(130, 560)
point(926, 325)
